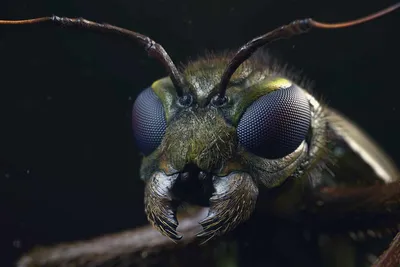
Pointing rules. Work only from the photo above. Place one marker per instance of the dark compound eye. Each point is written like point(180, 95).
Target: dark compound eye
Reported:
point(148, 121)
point(275, 124)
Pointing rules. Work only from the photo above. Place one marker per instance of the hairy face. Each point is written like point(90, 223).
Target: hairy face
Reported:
point(216, 156)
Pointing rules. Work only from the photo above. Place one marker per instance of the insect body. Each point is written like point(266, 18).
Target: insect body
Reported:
point(233, 126)
point(270, 138)
point(228, 131)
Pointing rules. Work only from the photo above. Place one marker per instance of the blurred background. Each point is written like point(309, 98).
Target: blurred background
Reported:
point(68, 164)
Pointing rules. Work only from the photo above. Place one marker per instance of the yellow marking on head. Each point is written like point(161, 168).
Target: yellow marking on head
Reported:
point(156, 83)
point(278, 83)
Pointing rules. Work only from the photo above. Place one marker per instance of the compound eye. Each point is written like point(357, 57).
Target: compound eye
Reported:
point(276, 124)
point(148, 121)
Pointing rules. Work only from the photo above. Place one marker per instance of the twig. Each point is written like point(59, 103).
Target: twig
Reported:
point(391, 257)
point(140, 246)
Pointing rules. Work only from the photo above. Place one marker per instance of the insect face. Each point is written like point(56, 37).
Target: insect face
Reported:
point(258, 136)
point(221, 129)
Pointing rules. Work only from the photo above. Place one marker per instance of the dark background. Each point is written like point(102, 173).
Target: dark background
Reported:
point(68, 164)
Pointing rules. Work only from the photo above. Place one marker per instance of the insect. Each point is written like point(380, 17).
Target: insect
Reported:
point(225, 131)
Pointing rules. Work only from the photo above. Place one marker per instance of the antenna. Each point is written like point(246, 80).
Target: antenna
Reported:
point(286, 31)
point(153, 49)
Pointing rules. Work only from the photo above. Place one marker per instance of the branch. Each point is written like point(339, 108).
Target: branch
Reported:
point(141, 246)
point(391, 257)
